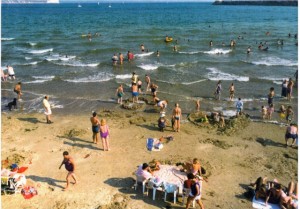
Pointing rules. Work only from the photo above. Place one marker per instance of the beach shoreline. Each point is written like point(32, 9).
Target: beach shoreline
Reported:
point(106, 178)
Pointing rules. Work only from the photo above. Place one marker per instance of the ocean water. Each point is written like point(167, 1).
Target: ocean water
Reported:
point(36, 39)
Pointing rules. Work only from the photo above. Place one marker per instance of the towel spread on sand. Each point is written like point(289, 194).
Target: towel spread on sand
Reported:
point(260, 204)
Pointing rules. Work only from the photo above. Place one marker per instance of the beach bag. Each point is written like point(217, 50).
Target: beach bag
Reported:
point(28, 192)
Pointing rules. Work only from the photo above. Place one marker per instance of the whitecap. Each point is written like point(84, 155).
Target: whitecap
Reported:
point(101, 77)
point(275, 61)
point(79, 64)
point(41, 51)
point(7, 39)
point(143, 54)
point(125, 76)
point(148, 66)
point(229, 113)
point(217, 51)
point(32, 43)
point(216, 75)
point(28, 58)
point(195, 52)
point(40, 79)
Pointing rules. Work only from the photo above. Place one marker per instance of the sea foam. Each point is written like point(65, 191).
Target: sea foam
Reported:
point(41, 51)
point(275, 61)
point(216, 75)
point(143, 54)
point(148, 66)
point(217, 51)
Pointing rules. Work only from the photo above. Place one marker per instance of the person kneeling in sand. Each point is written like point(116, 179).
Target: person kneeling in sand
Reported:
point(70, 167)
point(291, 132)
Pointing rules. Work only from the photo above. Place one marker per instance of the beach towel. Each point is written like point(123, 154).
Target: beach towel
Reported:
point(150, 144)
point(260, 204)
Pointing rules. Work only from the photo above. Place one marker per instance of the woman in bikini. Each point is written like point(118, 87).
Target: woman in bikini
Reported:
point(104, 133)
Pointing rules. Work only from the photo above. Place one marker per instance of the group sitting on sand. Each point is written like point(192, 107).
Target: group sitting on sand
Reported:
point(276, 193)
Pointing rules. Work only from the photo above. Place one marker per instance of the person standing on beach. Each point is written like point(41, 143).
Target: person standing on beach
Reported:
point(121, 58)
point(218, 90)
point(70, 167)
point(154, 88)
point(17, 90)
point(271, 96)
point(104, 133)
point(198, 105)
point(195, 193)
point(147, 80)
point(95, 127)
point(120, 93)
point(139, 85)
point(11, 72)
point(231, 92)
point(239, 107)
point(177, 117)
point(290, 89)
point(284, 88)
point(47, 108)
point(134, 78)
point(135, 93)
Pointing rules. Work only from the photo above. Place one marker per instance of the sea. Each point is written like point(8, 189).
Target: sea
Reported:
point(47, 46)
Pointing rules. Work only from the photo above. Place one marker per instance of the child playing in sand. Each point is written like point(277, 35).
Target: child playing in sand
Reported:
point(270, 111)
point(263, 112)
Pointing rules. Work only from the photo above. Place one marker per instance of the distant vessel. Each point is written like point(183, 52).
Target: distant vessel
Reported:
point(109, 6)
point(79, 5)
point(257, 2)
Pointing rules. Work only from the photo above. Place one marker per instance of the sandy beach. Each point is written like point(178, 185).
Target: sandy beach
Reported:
point(106, 179)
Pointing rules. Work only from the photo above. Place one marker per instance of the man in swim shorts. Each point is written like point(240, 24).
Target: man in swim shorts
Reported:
point(135, 93)
point(70, 167)
point(176, 116)
point(95, 127)
point(291, 132)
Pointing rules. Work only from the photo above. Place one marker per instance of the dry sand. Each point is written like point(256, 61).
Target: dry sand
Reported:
point(106, 178)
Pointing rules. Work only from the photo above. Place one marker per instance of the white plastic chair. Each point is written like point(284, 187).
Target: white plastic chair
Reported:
point(171, 188)
point(152, 185)
point(140, 179)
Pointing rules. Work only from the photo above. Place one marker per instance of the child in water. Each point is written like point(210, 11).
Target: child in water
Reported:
point(263, 112)
point(270, 111)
